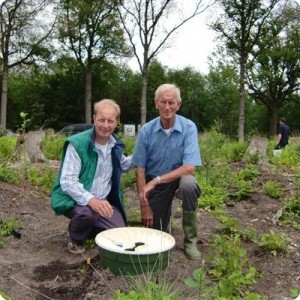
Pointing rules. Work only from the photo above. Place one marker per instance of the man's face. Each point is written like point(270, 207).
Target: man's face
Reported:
point(105, 122)
point(167, 105)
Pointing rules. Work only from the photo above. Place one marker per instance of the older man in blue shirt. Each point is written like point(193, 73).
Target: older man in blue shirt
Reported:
point(166, 155)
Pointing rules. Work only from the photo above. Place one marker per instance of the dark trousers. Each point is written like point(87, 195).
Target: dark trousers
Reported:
point(86, 223)
point(161, 197)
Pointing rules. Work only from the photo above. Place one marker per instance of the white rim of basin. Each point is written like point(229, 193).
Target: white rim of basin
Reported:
point(119, 239)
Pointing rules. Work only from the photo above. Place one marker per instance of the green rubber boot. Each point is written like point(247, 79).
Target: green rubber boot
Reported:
point(189, 225)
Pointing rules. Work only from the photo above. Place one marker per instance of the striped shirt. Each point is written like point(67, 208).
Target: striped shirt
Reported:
point(101, 185)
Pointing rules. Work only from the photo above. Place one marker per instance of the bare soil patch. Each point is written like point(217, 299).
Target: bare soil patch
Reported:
point(38, 265)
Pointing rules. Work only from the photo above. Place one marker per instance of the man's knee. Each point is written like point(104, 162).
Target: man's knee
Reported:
point(188, 184)
point(84, 213)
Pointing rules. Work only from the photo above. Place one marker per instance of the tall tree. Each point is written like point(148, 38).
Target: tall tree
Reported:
point(274, 73)
point(241, 27)
point(149, 26)
point(22, 35)
point(90, 30)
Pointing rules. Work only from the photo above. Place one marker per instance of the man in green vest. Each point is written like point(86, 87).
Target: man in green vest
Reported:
point(87, 188)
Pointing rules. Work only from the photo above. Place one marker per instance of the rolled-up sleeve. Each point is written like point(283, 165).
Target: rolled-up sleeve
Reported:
point(191, 147)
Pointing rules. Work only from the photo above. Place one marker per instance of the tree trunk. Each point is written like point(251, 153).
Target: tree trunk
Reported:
point(258, 146)
point(273, 121)
point(144, 95)
point(4, 97)
point(88, 96)
point(241, 100)
point(29, 147)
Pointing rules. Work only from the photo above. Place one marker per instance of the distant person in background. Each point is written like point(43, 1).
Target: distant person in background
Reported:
point(166, 156)
point(87, 189)
point(283, 134)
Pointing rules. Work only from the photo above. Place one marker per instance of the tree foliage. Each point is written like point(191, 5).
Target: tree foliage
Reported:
point(240, 26)
point(22, 39)
point(90, 30)
point(274, 72)
point(149, 28)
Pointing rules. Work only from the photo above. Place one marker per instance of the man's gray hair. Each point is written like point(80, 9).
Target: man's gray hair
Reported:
point(167, 87)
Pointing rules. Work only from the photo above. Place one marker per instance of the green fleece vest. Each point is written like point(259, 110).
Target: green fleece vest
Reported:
point(60, 202)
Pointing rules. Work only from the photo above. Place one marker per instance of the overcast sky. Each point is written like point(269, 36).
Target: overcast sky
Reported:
point(193, 43)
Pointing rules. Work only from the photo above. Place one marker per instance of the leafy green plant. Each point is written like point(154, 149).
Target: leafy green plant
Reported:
point(234, 151)
point(42, 177)
point(228, 225)
point(274, 241)
point(211, 145)
point(252, 158)
point(231, 268)
point(7, 226)
point(25, 121)
point(212, 198)
point(7, 174)
point(52, 146)
point(290, 156)
point(244, 189)
point(290, 213)
point(198, 280)
point(129, 142)
point(230, 272)
point(213, 181)
point(7, 146)
point(248, 173)
point(273, 189)
point(128, 179)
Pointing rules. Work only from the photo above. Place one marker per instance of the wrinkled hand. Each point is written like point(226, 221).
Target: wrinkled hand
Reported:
point(143, 196)
point(102, 207)
point(146, 216)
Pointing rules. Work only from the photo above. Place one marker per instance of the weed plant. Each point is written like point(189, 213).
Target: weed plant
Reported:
point(129, 142)
point(230, 273)
point(249, 173)
point(274, 242)
point(44, 178)
point(290, 213)
point(7, 226)
point(52, 146)
point(148, 289)
point(273, 189)
point(128, 180)
point(213, 181)
point(234, 151)
point(244, 189)
point(211, 144)
point(8, 174)
point(290, 156)
point(229, 225)
point(7, 147)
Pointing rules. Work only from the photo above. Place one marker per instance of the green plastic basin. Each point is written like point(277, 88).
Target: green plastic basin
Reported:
point(153, 255)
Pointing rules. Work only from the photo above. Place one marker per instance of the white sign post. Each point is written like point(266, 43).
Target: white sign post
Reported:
point(129, 130)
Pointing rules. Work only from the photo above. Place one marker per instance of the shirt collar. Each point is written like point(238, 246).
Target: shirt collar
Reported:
point(177, 125)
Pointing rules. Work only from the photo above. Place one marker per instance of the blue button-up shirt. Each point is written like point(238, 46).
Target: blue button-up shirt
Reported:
point(159, 152)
